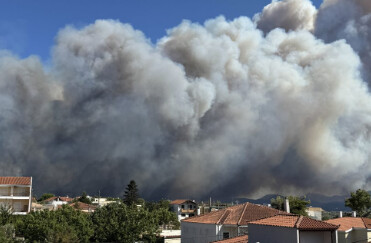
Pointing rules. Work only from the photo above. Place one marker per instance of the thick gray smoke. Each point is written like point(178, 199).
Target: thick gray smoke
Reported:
point(220, 109)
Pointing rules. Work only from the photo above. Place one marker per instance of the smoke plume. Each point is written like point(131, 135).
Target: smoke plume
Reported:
point(228, 108)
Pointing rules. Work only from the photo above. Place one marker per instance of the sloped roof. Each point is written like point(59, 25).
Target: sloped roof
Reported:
point(238, 239)
point(15, 181)
point(180, 201)
point(348, 223)
point(296, 221)
point(236, 215)
point(83, 206)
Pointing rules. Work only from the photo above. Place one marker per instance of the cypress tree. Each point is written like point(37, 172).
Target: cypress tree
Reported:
point(131, 194)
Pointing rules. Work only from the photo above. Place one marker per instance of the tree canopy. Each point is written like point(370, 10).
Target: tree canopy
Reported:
point(131, 196)
point(45, 196)
point(298, 205)
point(84, 198)
point(118, 222)
point(359, 201)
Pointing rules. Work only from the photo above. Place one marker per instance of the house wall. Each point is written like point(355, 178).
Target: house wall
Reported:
point(343, 237)
point(357, 235)
point(315, 214)
point(198, 233)
point(315, 236)
point(271, 234)
point(182, 212)
point(231, 229)
point(18, 205)
point(368, 235)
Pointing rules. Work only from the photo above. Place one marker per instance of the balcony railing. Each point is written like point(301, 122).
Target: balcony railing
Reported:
point(187, 210)
point(15, 194)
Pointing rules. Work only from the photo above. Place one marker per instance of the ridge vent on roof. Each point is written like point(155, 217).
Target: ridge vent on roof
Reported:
point(297, 224)
point(224, 217)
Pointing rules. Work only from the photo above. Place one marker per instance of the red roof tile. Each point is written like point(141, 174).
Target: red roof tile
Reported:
point(238, 239)
point(180, 201)
point(235, 215)
point(83, 206)
point(348, 223)
point(295, 221)
point(15, 180)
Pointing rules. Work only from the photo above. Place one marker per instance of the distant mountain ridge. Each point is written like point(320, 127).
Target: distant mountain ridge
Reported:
point(328, 203)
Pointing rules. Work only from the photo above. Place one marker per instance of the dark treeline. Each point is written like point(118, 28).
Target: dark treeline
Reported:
point(115, 222)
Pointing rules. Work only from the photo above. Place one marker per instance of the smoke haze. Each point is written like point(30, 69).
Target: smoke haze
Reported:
point(229, 108)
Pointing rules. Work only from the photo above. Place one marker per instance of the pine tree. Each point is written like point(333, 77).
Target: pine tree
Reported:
point(131, 194)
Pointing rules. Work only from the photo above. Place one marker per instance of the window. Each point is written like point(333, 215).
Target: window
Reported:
point(225, 235)
point(182, 206)
point(191, 215)
point(190, 206)
point(183, 215)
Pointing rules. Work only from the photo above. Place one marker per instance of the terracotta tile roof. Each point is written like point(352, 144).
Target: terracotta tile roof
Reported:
point(296, 221)
point(348, 223)
point(238, 239)
point(15, 180)
point(180, 201)
point(83, 206)
point(236, 215)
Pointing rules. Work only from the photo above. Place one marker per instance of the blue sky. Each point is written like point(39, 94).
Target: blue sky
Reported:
point(29, 27)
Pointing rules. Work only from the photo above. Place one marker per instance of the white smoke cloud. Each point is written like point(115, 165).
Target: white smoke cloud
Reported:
point(219, 108)
point(287, 14)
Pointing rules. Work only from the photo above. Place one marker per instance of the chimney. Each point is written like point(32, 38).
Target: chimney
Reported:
point(354, 214)
point(287, 205)
point(340, 214)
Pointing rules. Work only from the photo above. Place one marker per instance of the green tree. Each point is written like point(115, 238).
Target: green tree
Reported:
point(45, 196)
point(5, 214)
point(117, 222)
point(162, 213)
point(84, 198)
point(63, 225)
point(298, 205)
point(7, 233)
point(131, 194)
point(359, 201)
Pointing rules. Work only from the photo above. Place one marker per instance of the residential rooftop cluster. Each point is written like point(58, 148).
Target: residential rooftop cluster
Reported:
point(240, 223)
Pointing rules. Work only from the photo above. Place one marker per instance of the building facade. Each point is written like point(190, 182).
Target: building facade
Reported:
point(184, 208)
point(15, 194)
point(292, 228)
point(223, 224)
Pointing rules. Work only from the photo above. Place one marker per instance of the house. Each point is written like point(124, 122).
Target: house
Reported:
point(238, 239)
point(53, 202)
point(184, 208)
point(170, 236)
point(15, 192)
point(84, 207)
point(293, 229)
point(101, 201)
point(353, 229)
point(224, 224)
point(315, 212)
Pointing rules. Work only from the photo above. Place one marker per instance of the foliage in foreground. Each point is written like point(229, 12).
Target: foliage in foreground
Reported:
point(359, 201)
point(63, 225)
point(115, 222)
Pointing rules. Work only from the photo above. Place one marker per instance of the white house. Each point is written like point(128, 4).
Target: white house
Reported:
point(224, 224)
point(15, 192)
point(54, 202)
point(314, 212)
point(293, 229)
point(184, 208)
point(353, 229)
